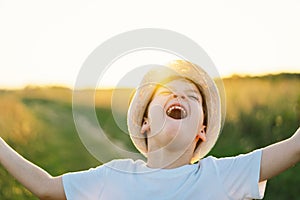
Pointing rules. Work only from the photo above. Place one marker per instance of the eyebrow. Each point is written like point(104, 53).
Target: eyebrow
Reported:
point(192, 90)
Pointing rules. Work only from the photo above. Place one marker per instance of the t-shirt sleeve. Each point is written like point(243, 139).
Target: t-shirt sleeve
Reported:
point(240, 175)
point(85, 184)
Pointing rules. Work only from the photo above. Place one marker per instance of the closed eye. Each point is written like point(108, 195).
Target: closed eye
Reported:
point(194, 97)
point(164, 92)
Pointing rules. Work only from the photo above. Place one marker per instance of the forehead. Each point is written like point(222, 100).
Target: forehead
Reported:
point(179, 84)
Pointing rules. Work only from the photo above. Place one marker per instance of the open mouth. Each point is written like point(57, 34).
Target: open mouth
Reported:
point(176, 112)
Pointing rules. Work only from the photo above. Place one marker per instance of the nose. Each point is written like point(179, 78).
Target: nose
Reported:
point(178, 96)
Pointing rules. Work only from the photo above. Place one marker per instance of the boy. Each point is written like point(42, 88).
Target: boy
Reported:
point(174, 119)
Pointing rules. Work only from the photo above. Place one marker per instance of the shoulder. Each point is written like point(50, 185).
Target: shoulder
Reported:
point(101, 173)
point(226, 165)
point(248, 157)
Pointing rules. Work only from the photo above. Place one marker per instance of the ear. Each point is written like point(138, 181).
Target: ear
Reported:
point(145, 126)
point(202, 134)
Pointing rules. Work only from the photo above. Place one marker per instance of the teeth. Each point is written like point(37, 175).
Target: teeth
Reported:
point(176, 107)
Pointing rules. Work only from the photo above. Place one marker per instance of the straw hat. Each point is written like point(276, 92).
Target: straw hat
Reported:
point(146, 89)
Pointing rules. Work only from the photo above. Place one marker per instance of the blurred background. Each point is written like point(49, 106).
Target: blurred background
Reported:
point(254, 45)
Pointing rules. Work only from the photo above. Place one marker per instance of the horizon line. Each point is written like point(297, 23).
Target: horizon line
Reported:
point(71, 87)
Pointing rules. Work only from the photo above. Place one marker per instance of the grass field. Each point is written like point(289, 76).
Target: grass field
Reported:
point(38, 123)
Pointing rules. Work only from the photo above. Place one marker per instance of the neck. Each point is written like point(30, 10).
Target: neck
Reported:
point(166, 159)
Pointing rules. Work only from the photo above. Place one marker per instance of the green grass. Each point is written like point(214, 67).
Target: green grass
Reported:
point(38, 123)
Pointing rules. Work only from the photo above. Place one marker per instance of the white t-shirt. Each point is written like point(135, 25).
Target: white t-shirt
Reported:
point(212, 178)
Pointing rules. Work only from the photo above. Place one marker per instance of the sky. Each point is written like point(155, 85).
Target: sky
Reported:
point(46, 42)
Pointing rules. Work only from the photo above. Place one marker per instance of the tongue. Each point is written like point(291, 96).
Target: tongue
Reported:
point(176, 114)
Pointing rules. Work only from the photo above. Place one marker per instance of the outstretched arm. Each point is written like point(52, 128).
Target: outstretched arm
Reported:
point(280, 156)
point(35, 179)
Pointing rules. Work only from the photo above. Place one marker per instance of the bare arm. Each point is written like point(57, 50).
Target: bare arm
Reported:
point(35, 179)
point(280, 156)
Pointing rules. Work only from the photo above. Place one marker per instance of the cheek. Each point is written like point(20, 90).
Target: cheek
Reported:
point(196, 121)
point(156, 116)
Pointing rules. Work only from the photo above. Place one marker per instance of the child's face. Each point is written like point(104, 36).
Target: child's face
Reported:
point(175, 116)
